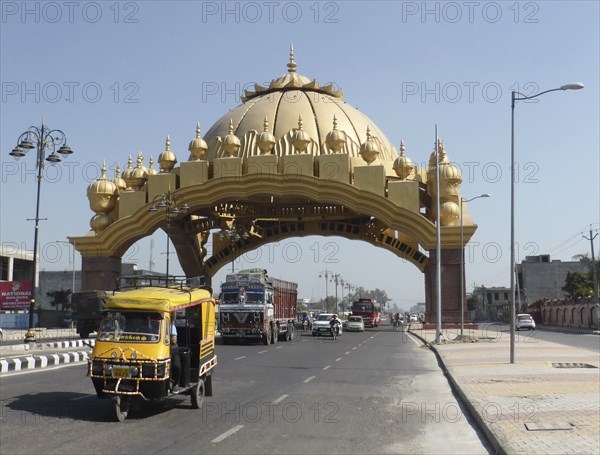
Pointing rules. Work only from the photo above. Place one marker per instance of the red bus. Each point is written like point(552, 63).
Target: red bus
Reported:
point(370, 311)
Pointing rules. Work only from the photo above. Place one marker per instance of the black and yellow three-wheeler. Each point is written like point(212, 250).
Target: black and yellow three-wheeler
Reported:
point(137, 358)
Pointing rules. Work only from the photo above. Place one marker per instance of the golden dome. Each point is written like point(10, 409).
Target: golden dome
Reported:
point(231, 143)
point(198, 146)
point(369, 149)
point(300, 139)
point(282, 102)
point(266, 141)
point(335, 139)
point(403, 165)
point(118, 180)
point(167, 159)
point(139, 175)
point(151, 170)
point(102, 185)
point(128, 170)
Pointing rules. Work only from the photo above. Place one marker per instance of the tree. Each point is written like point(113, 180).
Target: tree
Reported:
point(578, 285)
point(60, 298)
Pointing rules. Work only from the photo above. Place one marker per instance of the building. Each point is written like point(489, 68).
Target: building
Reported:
point(490, 304)
point(539, 277)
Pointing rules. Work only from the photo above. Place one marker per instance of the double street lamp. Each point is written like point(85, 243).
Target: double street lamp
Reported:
point(462, 262)
point(173, 205)
point(42, 139)
point(516, 96)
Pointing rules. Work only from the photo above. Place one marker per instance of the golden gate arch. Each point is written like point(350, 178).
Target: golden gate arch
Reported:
point(294, 159)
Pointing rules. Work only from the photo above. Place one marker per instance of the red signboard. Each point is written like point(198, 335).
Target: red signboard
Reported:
point(15, 295)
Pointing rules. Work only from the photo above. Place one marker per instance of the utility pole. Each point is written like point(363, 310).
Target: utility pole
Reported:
point(594, 272)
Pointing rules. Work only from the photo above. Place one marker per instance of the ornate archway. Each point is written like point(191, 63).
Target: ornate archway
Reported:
point(292, 179)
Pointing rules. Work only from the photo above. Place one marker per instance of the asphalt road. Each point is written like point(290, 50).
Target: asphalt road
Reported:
point(372, 392)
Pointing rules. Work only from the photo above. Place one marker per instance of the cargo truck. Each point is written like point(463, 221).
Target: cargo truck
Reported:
point(87, 309)
point(255, 307)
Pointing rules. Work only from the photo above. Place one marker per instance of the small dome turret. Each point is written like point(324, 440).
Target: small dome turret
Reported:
point(139, 175)
point(335, 139)
point(151, 170)
point(231, 143)
point(300, 140)
point(167, 159)
point(369, 150)
point(198, 146)
point(266, 140)
point(118, 180)
point(403, 165)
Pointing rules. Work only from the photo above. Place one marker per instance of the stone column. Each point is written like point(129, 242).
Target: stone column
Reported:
point(100, 272)
point(451, 287)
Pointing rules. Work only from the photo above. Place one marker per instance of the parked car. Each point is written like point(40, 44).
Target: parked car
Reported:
point(321, 325)
point(524, 321)
point(414, 318)
point(355, 323)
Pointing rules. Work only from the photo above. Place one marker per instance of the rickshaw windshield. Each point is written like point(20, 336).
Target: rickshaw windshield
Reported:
point(130, 327)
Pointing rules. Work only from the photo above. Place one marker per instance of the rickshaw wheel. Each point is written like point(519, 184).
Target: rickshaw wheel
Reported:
point(121, 408)
point(198, 394)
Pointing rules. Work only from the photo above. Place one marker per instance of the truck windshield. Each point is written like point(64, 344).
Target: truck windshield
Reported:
point(130, 327)
point(255, 297)
point(231, 298)
point(363, 308)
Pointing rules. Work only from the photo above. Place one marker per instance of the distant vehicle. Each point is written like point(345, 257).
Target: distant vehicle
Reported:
point(355, 323)
point(321, 325)
point(257, 307)
point(414, 318)
point(524, 321)
point(87, 309)
point(369, 310)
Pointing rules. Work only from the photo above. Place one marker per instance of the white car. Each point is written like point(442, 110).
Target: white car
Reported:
point(524, 321)
point(355, 323)
point(321, 325)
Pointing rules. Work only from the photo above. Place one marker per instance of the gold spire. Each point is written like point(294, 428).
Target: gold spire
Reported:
point(167, 159)
point(292, 65)
point(335, 139)
point(403, 165)
point(231, 143)
point(369, 150)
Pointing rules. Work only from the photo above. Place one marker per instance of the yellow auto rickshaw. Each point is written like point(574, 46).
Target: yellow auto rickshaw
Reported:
point(134, 358)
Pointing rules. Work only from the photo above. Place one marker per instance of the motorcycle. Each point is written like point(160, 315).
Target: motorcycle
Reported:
point(335, 330)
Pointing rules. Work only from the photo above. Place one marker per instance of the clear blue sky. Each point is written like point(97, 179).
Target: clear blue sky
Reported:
point(119, 77)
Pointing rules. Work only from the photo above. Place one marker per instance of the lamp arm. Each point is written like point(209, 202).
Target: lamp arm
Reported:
point(525, 97)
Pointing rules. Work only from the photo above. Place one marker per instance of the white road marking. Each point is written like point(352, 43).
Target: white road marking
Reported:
point(327, 367)
point(278, 347)
point(240, 358)
point(309, 379)
point(227, 434)
point(347, 352)
point(354, 348)
point(338, 359)
point(281, 398)
point(261, 352)
point(415, 340)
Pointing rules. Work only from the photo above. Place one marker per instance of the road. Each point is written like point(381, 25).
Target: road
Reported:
point(371, 392)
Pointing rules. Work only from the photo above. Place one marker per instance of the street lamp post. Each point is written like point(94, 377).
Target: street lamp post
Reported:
point(174, 205)
point(521, 97)
point(326, 274)
point(41, 139)
point(462, 262)
point(335, 278)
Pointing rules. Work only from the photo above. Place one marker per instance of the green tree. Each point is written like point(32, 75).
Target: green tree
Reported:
point(60, 298)
point(577, 285)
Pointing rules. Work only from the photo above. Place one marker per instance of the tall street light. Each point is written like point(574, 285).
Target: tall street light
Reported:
point(174, 205)
point(326, 274)
point(520, 97)
point(335, 277)
point(41, 139)
point(462, 262)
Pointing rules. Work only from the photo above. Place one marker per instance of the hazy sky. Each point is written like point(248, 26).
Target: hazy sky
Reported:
point(117, 77)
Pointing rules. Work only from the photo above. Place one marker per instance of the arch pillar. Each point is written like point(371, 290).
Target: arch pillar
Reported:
point(451, 287)
point(100, 272)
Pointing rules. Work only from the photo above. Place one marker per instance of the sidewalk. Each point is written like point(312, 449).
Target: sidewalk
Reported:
point(44, 352)
point(547, 402)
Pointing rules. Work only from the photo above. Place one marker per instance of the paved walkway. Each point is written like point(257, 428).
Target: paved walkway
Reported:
point(544, 403)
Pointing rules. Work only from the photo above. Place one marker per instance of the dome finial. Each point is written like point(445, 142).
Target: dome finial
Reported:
point(266, 125)
point(198, 129)
point(198, 146)
point(103, 170)
point(292, 65)
point(266, 141)
point(168, 143)
point(402, 147)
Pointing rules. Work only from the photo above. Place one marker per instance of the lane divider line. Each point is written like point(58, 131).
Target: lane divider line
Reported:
point(338, 359)
point(281, 398)
point(310, 378)
point(240, 358)
point(227, 434)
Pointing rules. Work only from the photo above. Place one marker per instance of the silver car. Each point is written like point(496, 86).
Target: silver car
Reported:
point(355, 323)
point(524, 321)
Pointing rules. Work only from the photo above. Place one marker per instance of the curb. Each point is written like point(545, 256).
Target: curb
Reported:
point(477, 418)
point(41, 361)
